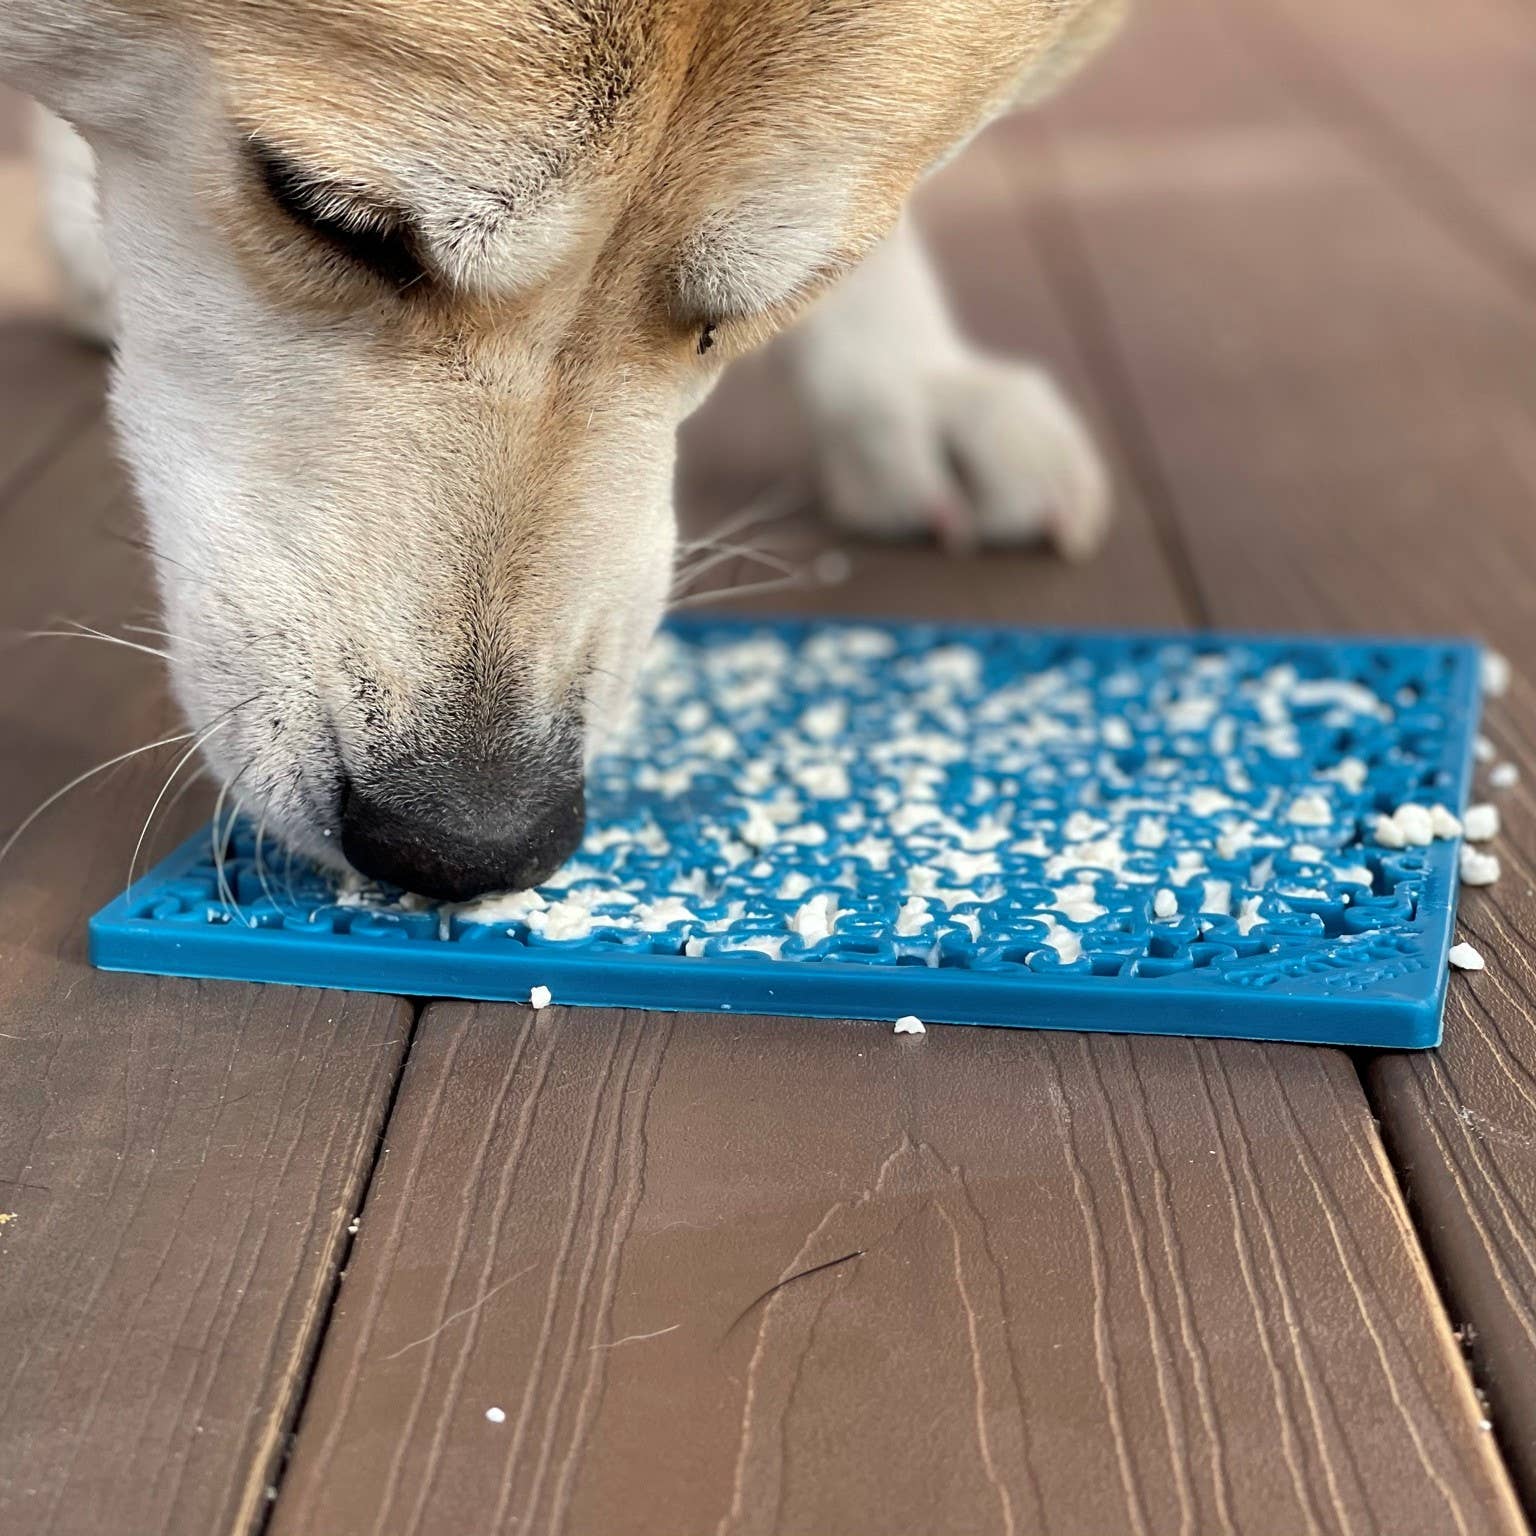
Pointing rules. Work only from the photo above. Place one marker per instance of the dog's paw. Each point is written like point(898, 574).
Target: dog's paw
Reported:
point(72, 224)
point(982, 452)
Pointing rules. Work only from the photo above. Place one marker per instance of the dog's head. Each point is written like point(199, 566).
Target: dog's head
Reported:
point(413, 296)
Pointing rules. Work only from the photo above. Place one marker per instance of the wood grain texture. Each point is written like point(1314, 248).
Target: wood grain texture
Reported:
point(1338, 384)
point(178, 1162)
point(1440, 109)
point(50, 392)
point(1044, 1283)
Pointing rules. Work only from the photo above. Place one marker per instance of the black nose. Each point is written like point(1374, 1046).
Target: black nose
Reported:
point(454, 837)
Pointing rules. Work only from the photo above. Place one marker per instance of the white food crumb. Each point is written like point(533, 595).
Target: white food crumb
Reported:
point(1495, 670)
point(653, 916)
point(816, 919)
point(1503, 775)
point(567, 919)
point(539, 997)
point(823, 722)
point(1064, 942)
point(1077, 903)
point(761, 830)
point(1416, 824)
point(1206, 802)
point(496, 1415)
point(1234, 840)
point(1444, 823)
point(825, 781)
point(1248, 917)
point(352, 1226)
point(1465, 958)
point(770, 944)
point(1080, 826)
point(1484, 750)
point(957, 664)
point(910, 1024)
point(1352, 773)
point(1165, 904)
point(1307, 853)
point(1310, 811)
point(1478, 868)
point(1481, 822)
point(913, 917)
point(809, 835)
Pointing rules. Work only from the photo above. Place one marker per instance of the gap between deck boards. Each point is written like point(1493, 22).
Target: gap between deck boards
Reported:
point(294, 1424)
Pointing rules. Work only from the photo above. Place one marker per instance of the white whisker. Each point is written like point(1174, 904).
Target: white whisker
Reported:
point(191, 781)
point(58, 794)
point(261, 868)
point(181, 762)
point(770, 505)
point(167, 634)
point(85, 632)
point(691, 573)
point(747, 589)
point(220, 834)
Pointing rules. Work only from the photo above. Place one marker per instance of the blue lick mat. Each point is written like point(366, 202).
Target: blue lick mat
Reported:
point(1141, 833)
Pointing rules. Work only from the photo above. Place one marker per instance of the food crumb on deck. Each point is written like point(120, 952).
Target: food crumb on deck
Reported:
point(539, 997)
point(1465, 958)
point(496, 1415)
point(1478, 868)
point(1495, 671)
point(910, 1024)
point(1481, 822)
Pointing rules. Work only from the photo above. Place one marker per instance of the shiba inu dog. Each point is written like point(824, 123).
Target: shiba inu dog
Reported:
point(408, 301)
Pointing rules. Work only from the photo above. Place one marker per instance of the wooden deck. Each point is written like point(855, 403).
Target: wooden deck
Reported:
point(268, 1256)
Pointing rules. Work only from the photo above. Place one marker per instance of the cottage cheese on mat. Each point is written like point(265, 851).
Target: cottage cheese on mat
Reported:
point(848, 793)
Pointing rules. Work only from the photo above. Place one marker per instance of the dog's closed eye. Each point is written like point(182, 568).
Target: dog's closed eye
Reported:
point(371, 235)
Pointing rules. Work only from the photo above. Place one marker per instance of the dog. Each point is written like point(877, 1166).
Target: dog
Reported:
point(408, 300)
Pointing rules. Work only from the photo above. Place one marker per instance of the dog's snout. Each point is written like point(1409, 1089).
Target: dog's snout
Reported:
point(453, 838)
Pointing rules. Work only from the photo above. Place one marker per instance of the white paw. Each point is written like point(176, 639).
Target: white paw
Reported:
point(981, 452)
point(67, 171)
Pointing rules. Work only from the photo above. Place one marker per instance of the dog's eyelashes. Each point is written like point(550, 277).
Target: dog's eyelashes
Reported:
point(378, 239)
point(706, 339)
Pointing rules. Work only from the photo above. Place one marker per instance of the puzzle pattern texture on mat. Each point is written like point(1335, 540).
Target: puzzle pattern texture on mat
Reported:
point(1144, 833)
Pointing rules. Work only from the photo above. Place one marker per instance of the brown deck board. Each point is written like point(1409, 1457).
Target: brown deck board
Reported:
point(178, 1162)
point(1350, 444)
point(1049, 1283)
point(1443, 110)
point(50, 389)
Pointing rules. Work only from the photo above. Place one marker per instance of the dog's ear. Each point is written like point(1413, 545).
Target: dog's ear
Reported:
point(80, 58)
